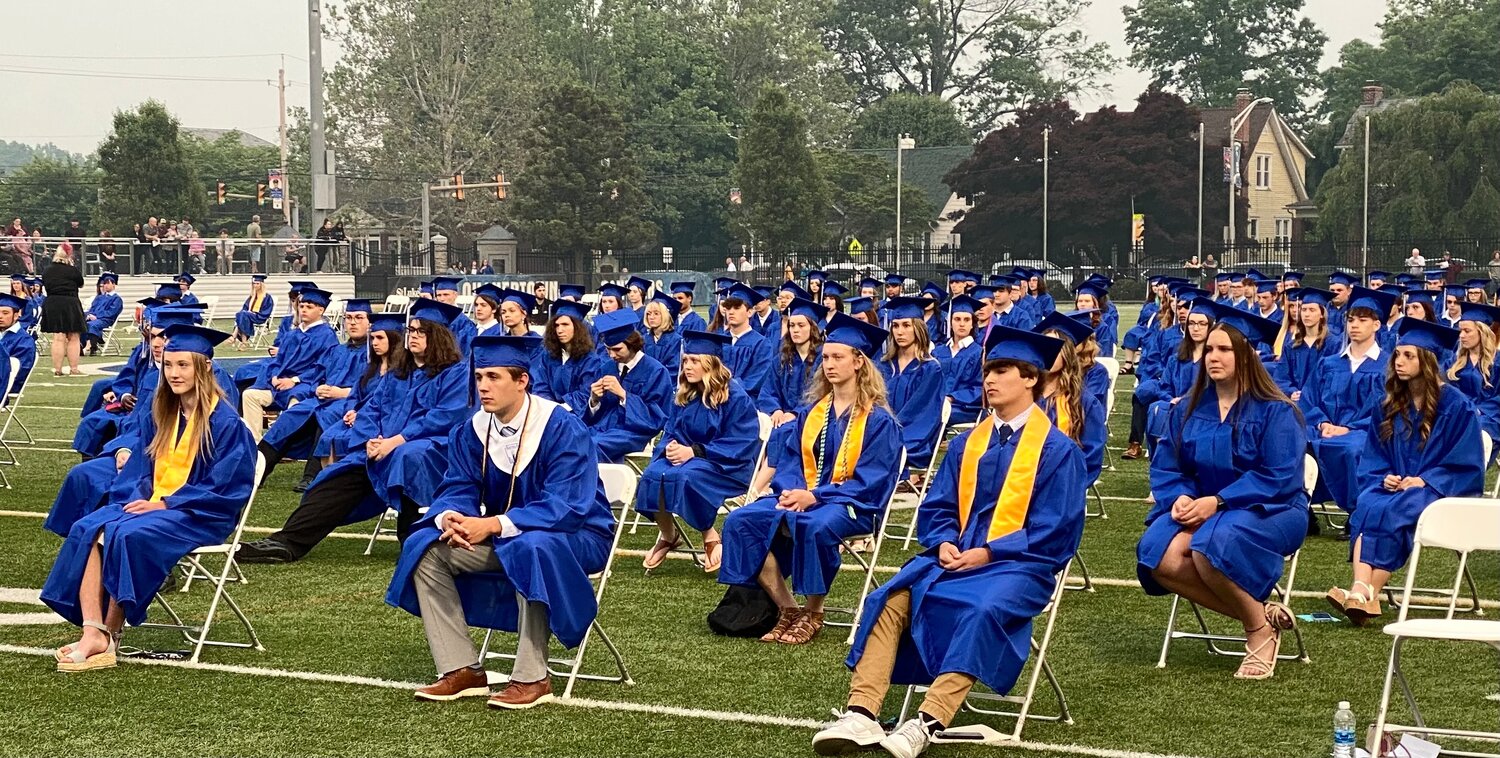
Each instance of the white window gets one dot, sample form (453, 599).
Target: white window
(1253, 230)
(1262, 172)
(1283, 230)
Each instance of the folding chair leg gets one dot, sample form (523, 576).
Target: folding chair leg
(379, 529)
(1166, 642)
(1099, 501)
(1087, 584)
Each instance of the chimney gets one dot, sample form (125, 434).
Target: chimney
(1371, 93)
(1242, 100)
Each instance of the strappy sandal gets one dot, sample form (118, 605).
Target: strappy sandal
(784, 621)
(1280, 617)
(1359, 607)
(804, 629)
(1256, 667)
(659, 551)
(74, 661)
(713, 555)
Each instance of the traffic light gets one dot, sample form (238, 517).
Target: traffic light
(499, 186)
(221, 193)
(260, 194)
(458, 186)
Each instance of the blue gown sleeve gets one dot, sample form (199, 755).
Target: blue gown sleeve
(1054, 519)
(566, 495)
(1169, 480)
(1274, 477)
(937, 516)
(460, 488)
(924, 408)
(739, 432)
(224, 488)
(1095, 437)
(1311, 401)
(450, 405)
(592, 369)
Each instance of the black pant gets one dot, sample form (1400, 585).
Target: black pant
(307, 434)
(1137, 419)
(92, 341)
(327, 506)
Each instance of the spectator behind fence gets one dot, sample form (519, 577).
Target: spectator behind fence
(151, 235)
(106, 253)
(225, 251)
(328, 237)
(140, 251)
(252, 232)
(62, 312)
(197, 250)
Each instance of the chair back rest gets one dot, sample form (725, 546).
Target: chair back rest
(1461, 524)
(212, 303)
(619, 483)
(765, 426)
(1113, 367)
(397, 303)
(888, 494)
(1487, 444)
(1309, 473)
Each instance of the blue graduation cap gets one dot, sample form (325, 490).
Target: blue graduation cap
(932, 291)
(1100, 280)
(258, 278)
(669, 303)
(1405, 278)
(18, 278)
(1084, 315)
(1293, 276)
(612, 290)
(445, 284)
(424, 288)
(503, 350)
(1204, 306)
(1222, 277)
(704, 343)
(964, 304)
(8, 300)
(165, 290)
(1315, 296)
(1381, 275)
(816, 275)
(1189, 294)
(1380, 302)
(994, 280)
(1236, 277)
(1421, 296)
(1265, 285)
(574, 291)
(725, 282)
(642, 284)
(766, 293)
(524, 300)
(873, 284)
(860, 335)
(1478, 284)
(1254, 274)
(110, 277)
(1456, 291)
(816, 313)
(489, 291)
(318, 297)
(572, 309)
(434, 311)
(358, 305)
(859, 304)
(1434, 275)
(985, 291)
(1479, 312)
(190, 338)
(185, 278)
(796, 290)
(388, 322)
(615, 326)
(1398, 290)
(960, 275)
(1155, 279)
(1253, 327)
(905, 307)
(683, 288)
(1005, 343)
(1090, 288)
(894, 280)
(834, 289)
(1343, 277)
(1005, 280)
(750, 296)
(1073, 328)
(298, 286)
(1429, 336)
(166, 314)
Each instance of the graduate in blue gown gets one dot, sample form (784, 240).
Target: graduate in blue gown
(1064, 397)
(1036, 285)
(486, 319)
(1309, 340)
(627, 407)
(706, 453)
(186, 491)
(186, 281)
(386, 350)
(17, 346)
(637, 294)
(960, 358)
(286, 329)
(935, 313)
(568, 363)
(1096, 376)
(1229, 504)
(1472, 367)
(1345, 395)
(766, 319)
(660, 335)
(914, 381)
(685, 317)
(103, 312)
(293, 374)
(1131, 343)
(1155, 394)
(749, 356)
(1094, 293)
(256, 310)
(1002, 517)
(445, 290)
(1416, 452)
(34, 300)
(511, 535)
(835, 469)
(796, 360)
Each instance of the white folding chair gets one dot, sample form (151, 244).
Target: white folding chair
(619, 488)
(1283, 592)
(396, 304)
(1463, 525)
(911, 500)
(192, 568)
(10, 403)
(388, 515)
(111, 345)
(212, 301)
(977, 702)
(877, 534)
(334, 314)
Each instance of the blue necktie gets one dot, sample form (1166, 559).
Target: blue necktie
(1003, 434)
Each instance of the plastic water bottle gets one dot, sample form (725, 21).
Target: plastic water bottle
(1343, 731)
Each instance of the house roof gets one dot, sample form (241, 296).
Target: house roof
(1216, 124)
(497, 232)
(1353, 130)
(213, 135)
(925, 167)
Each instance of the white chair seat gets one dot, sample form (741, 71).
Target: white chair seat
(1467, 630)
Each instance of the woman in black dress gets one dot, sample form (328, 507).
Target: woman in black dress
(62, 313)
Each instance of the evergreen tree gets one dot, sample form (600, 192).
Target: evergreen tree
(785, 201)
(145, 171)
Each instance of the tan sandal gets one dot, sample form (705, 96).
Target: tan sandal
(1255, 666)
(658, 553)
(1337, 598)
(1280, 617)
(1359, 607)
(804, 629)
(784, 621)
(73, 661)
(713, 555)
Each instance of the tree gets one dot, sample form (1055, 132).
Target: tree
(785, 201)
(14, 155)
(1433, 165)
(1205, 50)
(930, 120)
(862, 199)
(988, 57)
(240, 167)
(145, 171)
(581, 191)
(1100, 166)
(49, 192)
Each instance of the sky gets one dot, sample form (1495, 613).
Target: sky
(214, 63)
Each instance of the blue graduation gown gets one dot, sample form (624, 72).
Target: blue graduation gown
(1159, 346)
(1254, 461)
(810, 555)
(1451, 463)
(936, 333)
(1107, 331)
(667, 350)
(623, 427)
(560, 508)
(464, 332)
(691, 322)
(1349, 399)
(341, 366)
(1096, 382)
(246, 320)
(1176, 380)
(286, 332)
(1135, 337)
(749, 360)
(786, 383)
(303, 358)
(105, 309)
(961, 373)
(1302, 360)
(21, 346)
(729, 437)
(1486, 400)
(768, 326)
(140, 550)
(431, 406)
(101, 426)
(916, 395)
(568, 382)
(334, 439)
(978, 622)
(1095, 434)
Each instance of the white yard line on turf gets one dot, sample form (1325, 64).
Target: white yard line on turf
(577, 702)
(20, 595)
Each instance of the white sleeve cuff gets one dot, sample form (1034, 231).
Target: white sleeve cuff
(508, 528)
(441, 522)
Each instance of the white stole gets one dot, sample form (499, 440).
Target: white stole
(538, 411)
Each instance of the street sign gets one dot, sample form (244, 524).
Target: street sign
(666, 255)
(855, 248)
(273, 178)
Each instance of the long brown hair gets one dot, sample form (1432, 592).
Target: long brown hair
(395, 357)
(814, 344)
(166, 407)
(580, 346)
(1250, 377)
(1403, 396)
(869, 386)
(442, 351)
(921, 340)
(1300, 332)
(713, 390)
(1070, 385)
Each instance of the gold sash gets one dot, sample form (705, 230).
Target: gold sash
(256, 301)
(171, 471)
(1064, 419)
(1015, 494)
(849, 448)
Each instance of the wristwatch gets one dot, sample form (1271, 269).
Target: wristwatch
(1218, 502)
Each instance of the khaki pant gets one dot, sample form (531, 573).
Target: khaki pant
(872, 675)
(253, 404)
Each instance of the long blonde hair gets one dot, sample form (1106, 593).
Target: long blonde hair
(1070, 385)
(166, 407)
(1486, 350)
(922, 342)
(667, 319)
(869, 386)
(713, 390)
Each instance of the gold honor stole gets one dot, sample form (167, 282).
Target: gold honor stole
(171, 471)
(849, 447)
(256, 301)
(1060, 405)
(1015, 494)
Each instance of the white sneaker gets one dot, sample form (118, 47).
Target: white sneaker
(853, 732)
(908, 741)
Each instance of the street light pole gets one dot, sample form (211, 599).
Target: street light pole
(1365, 238)
(1046, 169)
(903, 143)
(1235, 163)
(1200, 192)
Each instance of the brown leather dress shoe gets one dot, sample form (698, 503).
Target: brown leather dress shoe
(1132, 452)
(784, 622)
(459, 683)
(518, 696)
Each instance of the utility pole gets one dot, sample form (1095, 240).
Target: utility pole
(904, 142)
(1046, 169)
(286, 205)
(1365, 234)
(1200, 193)
(322, 183)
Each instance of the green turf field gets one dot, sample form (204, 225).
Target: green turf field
(695, 694)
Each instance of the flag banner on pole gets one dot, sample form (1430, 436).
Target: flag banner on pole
(1138, 229)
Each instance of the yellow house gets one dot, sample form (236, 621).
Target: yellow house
(1273, 170)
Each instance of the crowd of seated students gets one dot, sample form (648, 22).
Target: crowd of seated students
(482, 438)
